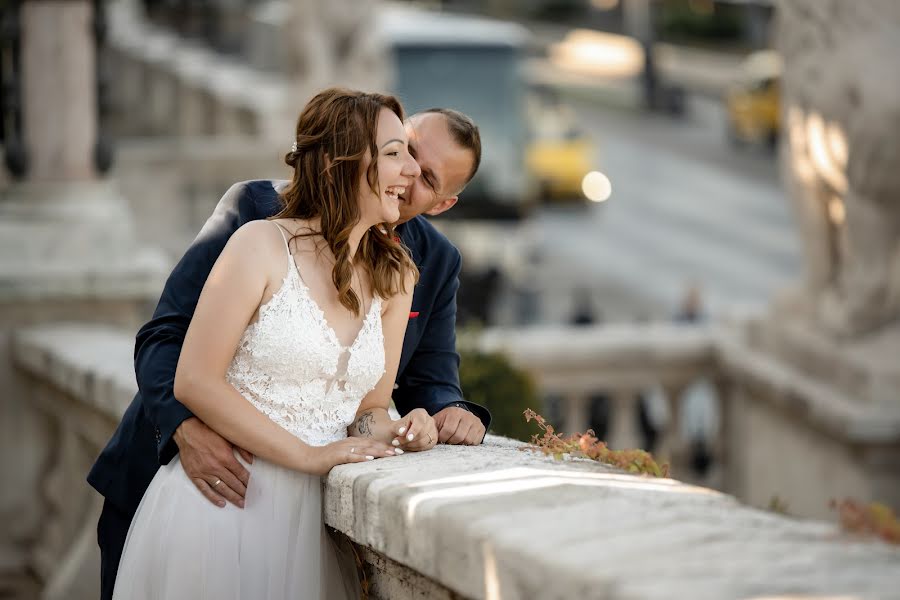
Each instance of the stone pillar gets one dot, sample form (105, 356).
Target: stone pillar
(67, 248)
(60, 102)
(638, 21)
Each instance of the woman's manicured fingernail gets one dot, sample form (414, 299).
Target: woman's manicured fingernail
(398, 451)
(368, 457)
(401, 430)
(410, 437)
(396, 442)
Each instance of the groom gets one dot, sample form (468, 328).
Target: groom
(155, 427)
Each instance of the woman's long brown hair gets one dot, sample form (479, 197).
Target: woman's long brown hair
(334, 132)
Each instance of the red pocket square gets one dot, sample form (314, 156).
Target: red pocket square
(414, 314)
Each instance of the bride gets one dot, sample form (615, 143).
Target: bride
(298, 329)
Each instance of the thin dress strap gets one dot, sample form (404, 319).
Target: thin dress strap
(281, 230)
(292, 264)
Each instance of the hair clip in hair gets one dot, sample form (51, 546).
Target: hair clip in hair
(294, 147)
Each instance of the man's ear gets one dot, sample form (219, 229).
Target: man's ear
(442, 206)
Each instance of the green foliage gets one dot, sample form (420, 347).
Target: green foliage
(680, 20)
(639, 462)
(491, 381)
(777, 504)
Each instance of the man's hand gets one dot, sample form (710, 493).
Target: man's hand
(458, 426)
(209, 461)
(416, 431)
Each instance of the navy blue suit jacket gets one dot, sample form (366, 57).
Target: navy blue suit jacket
(428, 376)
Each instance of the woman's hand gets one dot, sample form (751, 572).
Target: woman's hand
(349, 450)
(416, 431)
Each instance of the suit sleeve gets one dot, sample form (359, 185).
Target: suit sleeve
(431, 378)
(158, 344)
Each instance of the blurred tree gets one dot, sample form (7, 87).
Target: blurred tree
(698, 21)
(492, 381)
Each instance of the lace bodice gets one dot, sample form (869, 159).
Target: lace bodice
(292, 367)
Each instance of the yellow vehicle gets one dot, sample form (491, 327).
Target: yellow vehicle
(753, 102)
(559, 153)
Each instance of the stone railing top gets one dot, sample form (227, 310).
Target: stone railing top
(91, 363)
(493, 521)
(496, 522)
(653, 344)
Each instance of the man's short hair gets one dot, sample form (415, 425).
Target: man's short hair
(464, 132)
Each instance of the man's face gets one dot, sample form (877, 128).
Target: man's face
(445, 166)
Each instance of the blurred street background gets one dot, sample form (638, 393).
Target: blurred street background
(694, 204)
(670, 107)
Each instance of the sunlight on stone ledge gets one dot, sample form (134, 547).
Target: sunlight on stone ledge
(804, 597)
(523, 479)
(491, 579)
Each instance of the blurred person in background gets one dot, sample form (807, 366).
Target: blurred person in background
(446, 149)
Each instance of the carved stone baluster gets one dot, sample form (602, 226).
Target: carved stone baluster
(671, 447)
(724, 475)
(623, 431)
(66, 549)
(51, 494)
(81, 505)
(575, 417)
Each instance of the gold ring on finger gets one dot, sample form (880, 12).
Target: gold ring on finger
(218, 481)
(352, 450)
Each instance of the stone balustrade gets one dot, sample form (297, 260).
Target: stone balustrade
(621, 361)
(475, 522)
(168, 83)
(185, 88)
(782, 436)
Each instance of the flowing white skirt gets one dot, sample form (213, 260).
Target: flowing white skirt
(181, 546)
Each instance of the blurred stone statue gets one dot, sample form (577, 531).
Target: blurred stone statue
(841, 156)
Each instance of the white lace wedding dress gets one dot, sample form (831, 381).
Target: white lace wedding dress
(292, 367)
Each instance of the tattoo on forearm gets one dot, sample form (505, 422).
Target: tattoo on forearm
(364, 424)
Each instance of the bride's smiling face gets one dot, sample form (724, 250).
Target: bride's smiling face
(396, 170)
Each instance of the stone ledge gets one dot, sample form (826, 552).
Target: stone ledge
(606, 345)
(90, 363)
(573, 359)
(494, 521)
